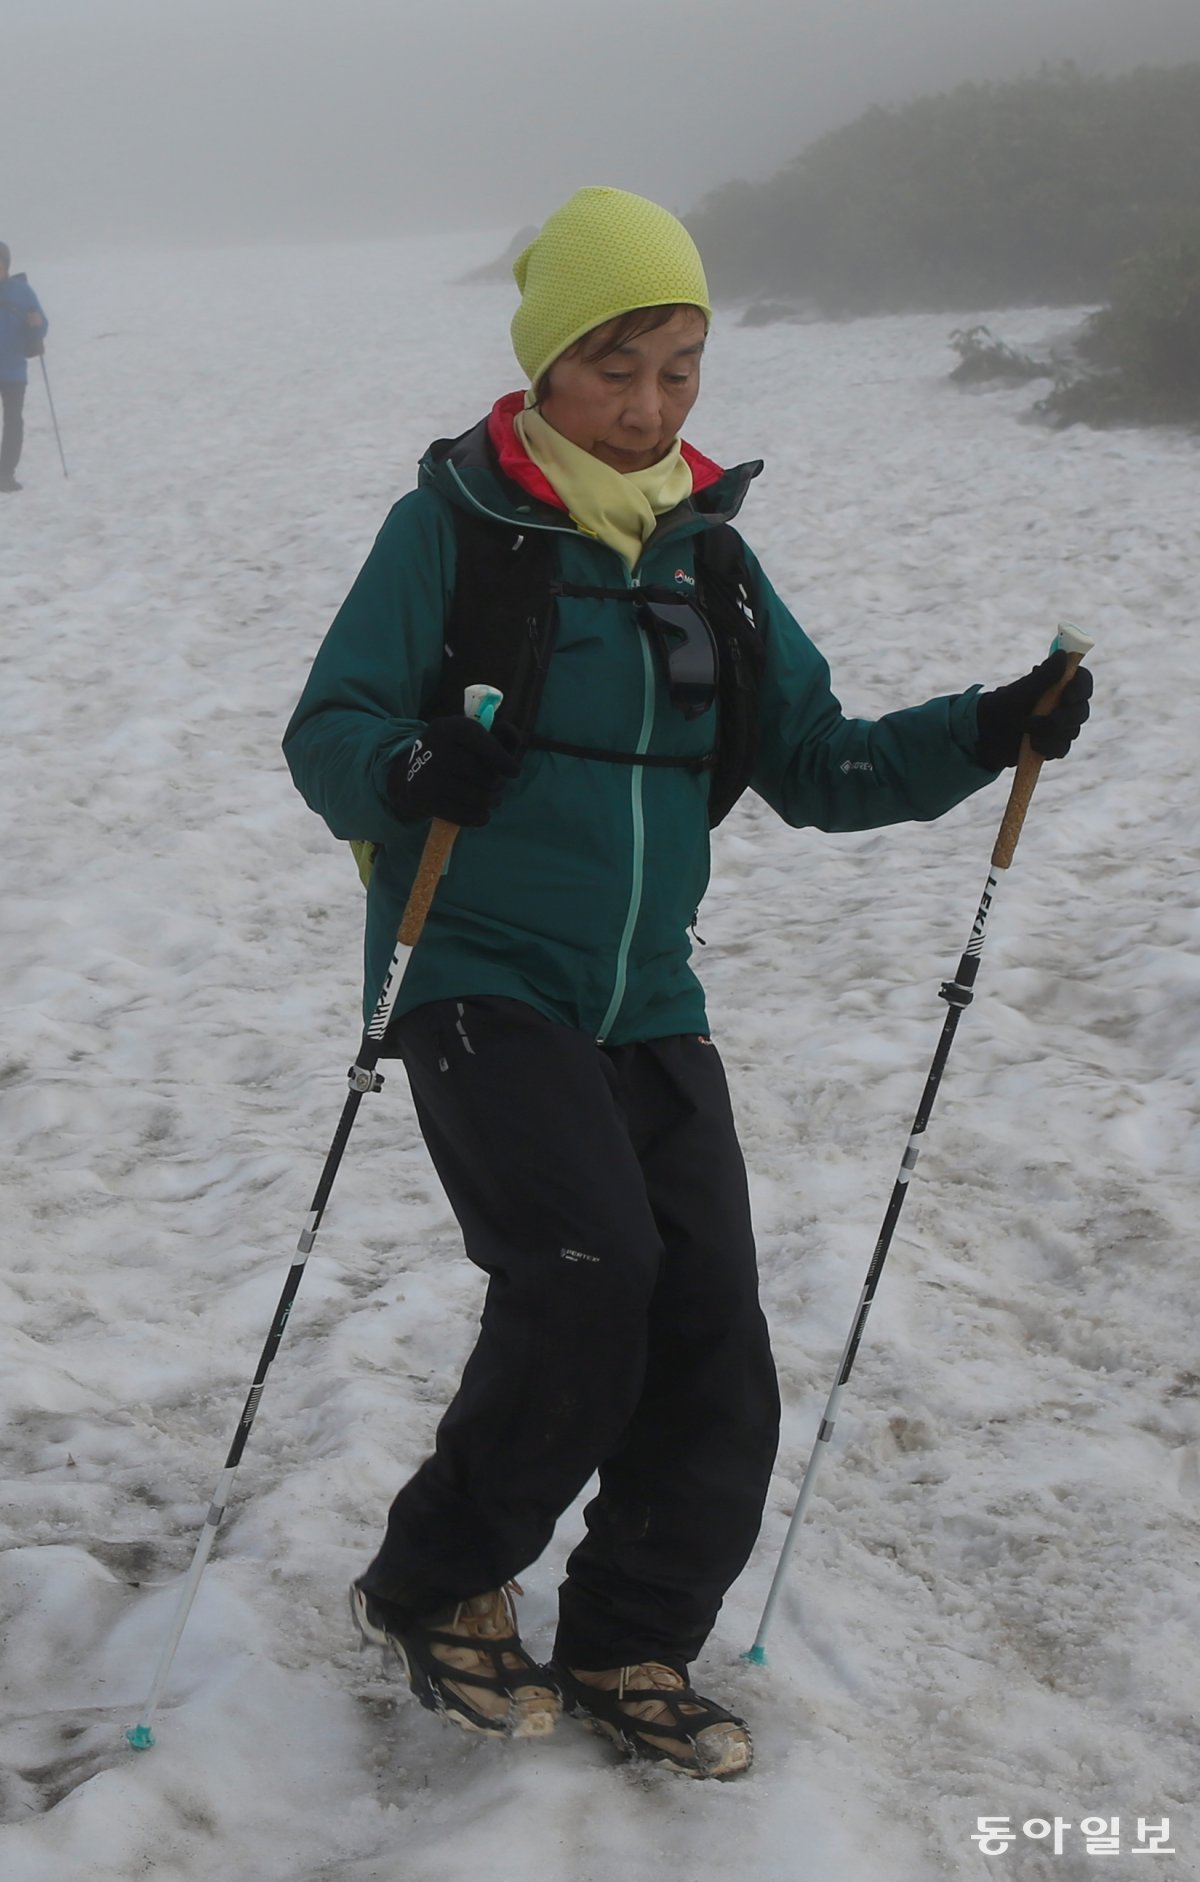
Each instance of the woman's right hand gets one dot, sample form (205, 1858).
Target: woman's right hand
(457, 770)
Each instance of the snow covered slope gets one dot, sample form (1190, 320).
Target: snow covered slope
(993, 1611)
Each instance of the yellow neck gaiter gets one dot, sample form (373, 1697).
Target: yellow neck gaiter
(619, 507)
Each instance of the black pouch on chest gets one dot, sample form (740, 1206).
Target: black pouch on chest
(685, 647)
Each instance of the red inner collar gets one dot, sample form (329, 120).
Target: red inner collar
(516, 463)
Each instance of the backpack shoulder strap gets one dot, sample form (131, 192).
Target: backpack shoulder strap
(721, 561)
(500, 626)
(729, 599)
(499, 629)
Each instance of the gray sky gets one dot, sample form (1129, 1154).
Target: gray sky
(211, 120)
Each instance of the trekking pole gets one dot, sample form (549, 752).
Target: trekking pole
(53, 417)
(480, 703)
(958, 995)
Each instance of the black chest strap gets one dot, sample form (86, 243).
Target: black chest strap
(703, 761)
(503, 622)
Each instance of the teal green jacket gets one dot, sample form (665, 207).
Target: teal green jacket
(577, 897)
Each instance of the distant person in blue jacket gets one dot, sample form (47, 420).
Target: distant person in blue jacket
(22, 330)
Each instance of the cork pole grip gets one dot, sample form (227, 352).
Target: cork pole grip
(434, 857)
(1029, 764)
(480, 701)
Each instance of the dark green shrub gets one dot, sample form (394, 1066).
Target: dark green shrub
(1150, 330)
(989, 195)
(982, 357)
(1145, 344)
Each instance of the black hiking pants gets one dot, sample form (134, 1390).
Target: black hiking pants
(603, 1192)
(12, 427)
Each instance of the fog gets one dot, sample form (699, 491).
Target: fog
(203, 121)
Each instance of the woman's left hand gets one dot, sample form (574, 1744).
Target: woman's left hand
(1007, 713)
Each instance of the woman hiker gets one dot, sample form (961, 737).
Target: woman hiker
(551, 1027)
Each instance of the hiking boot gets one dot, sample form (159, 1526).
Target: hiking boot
(651, 1712)
(466, 1661)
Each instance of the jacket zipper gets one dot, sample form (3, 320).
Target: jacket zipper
(639, 831)
(637, 880)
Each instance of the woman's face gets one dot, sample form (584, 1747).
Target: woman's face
(628, 407)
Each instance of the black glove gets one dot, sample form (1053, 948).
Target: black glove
(457, 770)
(1005, 715)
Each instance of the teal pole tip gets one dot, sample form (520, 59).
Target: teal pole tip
(756, 1655)
(140, 1737)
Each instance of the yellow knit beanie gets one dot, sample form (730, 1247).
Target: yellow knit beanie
(603, 253)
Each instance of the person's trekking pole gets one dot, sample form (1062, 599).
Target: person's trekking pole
(958, 995)
(480, 703)
(53, 417)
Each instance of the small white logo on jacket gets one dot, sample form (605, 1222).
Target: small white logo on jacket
(577, 1254)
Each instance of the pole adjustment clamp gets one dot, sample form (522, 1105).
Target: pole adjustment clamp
(955, 994)
(363, 1080)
